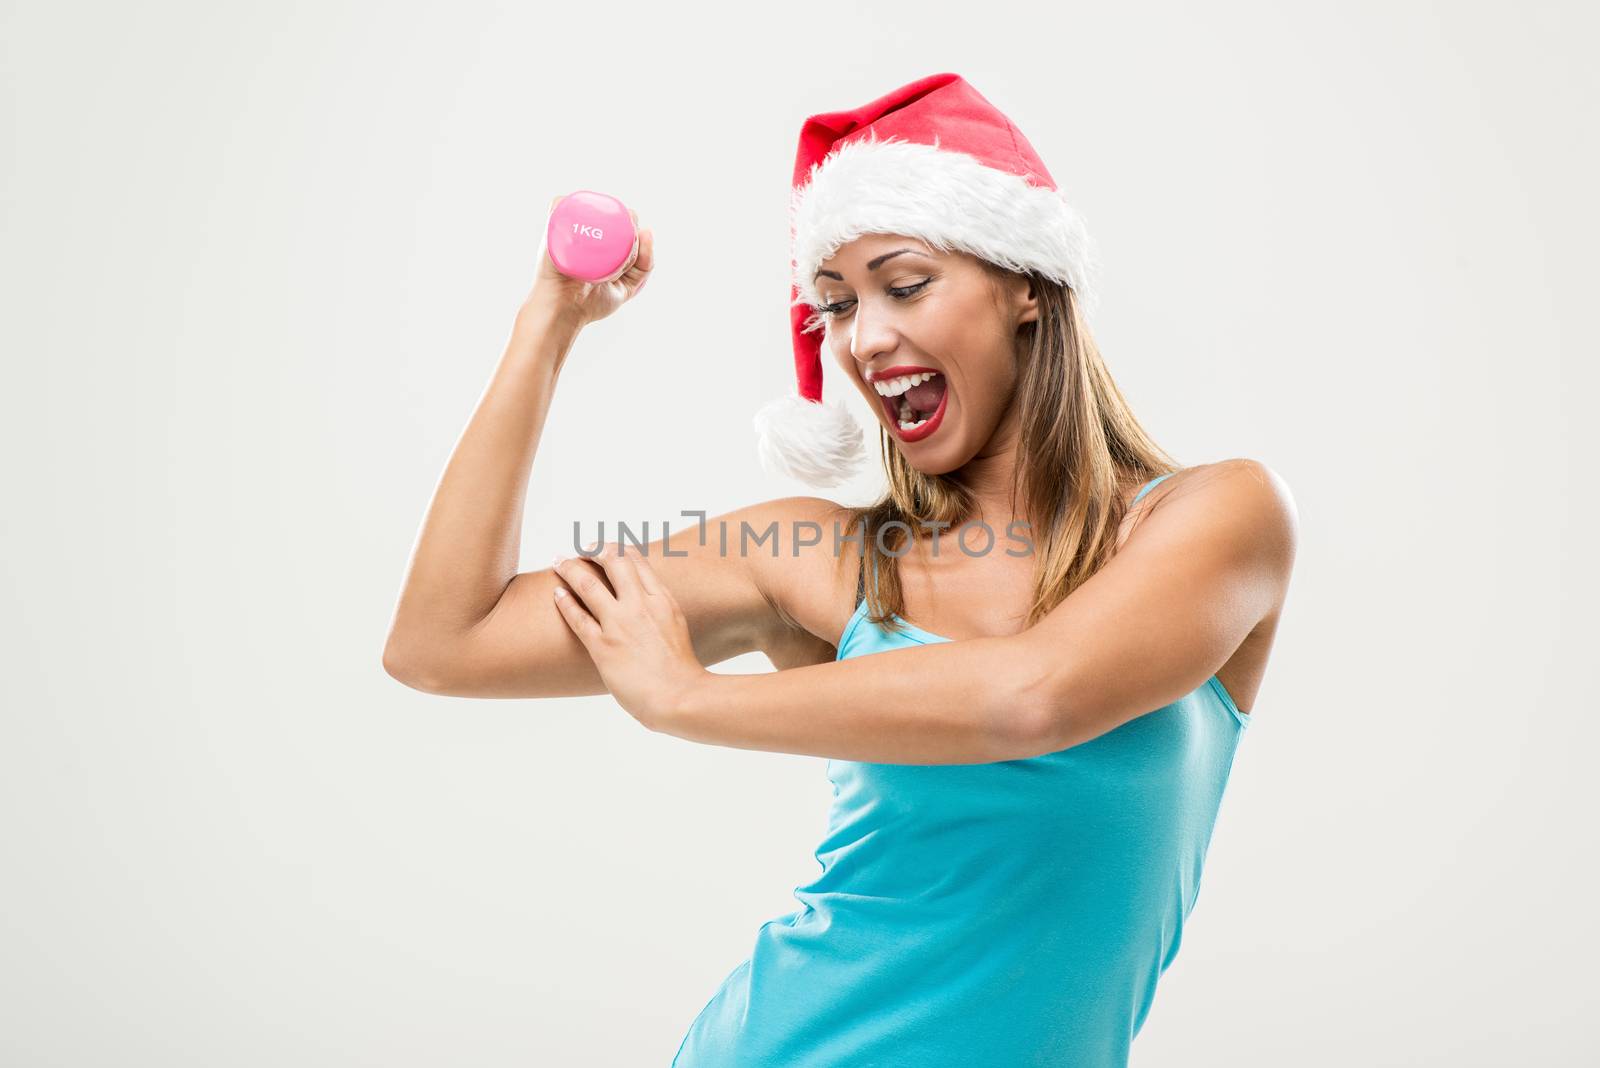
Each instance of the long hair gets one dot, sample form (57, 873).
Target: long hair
(1079, 450)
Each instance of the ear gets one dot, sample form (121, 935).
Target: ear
(1024, 301)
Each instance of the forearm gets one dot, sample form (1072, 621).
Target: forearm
(467, 550)
(945, 703)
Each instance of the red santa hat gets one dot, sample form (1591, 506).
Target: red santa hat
(932, 160)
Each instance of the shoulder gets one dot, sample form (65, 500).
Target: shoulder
(779, 515)
(785, 516)
(808, 538)
(1241, 504)
(793, 550)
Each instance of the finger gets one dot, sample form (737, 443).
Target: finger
(631, 265)
(649, 582)
(585, 582)
(645, 261)
(633, 561)
(578, 618)
(620, 571)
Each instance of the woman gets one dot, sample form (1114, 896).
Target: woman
(1026, 778)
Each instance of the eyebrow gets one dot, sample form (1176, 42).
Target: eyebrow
(872, 264)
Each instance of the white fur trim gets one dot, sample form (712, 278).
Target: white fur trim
(818, 443)
(944, 197)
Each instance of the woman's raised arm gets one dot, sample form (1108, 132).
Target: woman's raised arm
(466, 553)
(466, 622)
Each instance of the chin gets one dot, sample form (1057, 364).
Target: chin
(932, 457)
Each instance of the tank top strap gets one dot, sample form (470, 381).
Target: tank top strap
(1148, 486)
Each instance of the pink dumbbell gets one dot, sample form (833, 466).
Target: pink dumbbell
(590, 236)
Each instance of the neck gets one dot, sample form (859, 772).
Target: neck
(990, 476)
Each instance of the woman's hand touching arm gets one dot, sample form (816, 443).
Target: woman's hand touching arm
(938, 704)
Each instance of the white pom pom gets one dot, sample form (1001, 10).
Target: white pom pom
(818, 443)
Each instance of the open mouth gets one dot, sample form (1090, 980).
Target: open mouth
(918, 411)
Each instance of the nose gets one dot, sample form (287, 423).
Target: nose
(869, 337)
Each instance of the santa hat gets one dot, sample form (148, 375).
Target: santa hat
(932, 160)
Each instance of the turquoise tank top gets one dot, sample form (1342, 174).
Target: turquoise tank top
(1015, 913)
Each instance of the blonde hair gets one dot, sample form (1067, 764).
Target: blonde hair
(1079, 450)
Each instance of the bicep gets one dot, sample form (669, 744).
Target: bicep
(524, 647)
(1168, 610)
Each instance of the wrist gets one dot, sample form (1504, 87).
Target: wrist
(546, 329)
(681, 705)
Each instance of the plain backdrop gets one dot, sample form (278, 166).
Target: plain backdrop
(259, 261)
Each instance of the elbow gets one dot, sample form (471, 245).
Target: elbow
(1036, 728)
(1040, 710)
(411, 670)
(1031, 709)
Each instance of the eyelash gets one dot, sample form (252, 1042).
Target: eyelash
(828, 311)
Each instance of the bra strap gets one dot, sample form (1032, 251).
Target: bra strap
(1148, 486)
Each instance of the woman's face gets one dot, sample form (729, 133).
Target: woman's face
(924, 336)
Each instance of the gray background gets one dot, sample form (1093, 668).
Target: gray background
(259, 261)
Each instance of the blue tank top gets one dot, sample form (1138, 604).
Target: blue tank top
(1015, 913)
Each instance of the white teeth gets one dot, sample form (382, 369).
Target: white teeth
(905, 417)
(893, 387)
